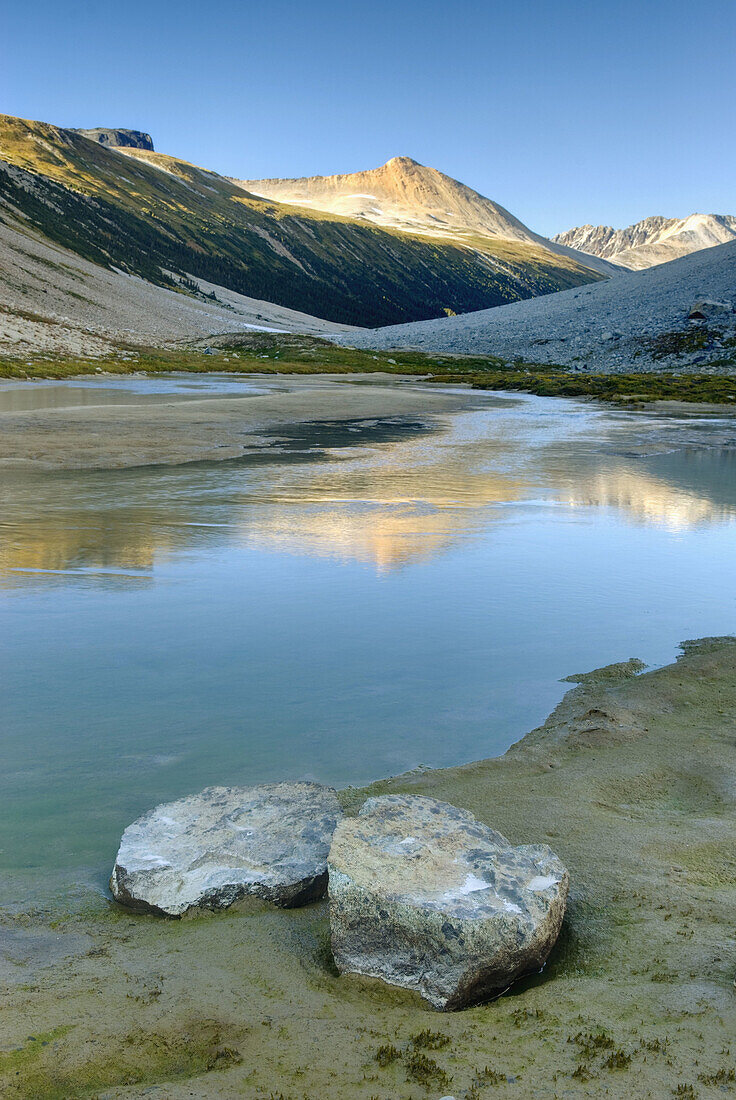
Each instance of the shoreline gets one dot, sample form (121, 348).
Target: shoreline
(209, 428)
(636, 383)
(174, 429)
(631, 779)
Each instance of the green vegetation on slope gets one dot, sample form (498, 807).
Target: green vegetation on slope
(151, 215)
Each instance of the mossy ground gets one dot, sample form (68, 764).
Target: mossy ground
(636, 1001)
(718, 345)
(277, 354)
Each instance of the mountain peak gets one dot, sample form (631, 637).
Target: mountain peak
(401, 194)
(413, 198)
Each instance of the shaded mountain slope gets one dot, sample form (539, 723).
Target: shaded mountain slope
(608, 326)
(54, 302)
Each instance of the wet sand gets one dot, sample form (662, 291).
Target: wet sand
(632, 780)
(218, 427)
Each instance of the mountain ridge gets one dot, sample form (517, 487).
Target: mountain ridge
(168, 221)
(415, 198)
(652, 240)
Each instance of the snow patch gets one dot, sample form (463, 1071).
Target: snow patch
(542, 882)
(471, 886)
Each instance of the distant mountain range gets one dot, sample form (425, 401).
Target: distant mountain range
(108, 197)
(651, 241)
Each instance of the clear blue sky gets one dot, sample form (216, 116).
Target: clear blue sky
(565, 112)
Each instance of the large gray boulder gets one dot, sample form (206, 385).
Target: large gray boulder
(214, 848)
(425, 897)
(706, 310)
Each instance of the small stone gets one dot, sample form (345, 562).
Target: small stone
(425, 897)
(211, 849)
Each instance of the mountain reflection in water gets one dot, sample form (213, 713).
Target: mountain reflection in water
(387, 503)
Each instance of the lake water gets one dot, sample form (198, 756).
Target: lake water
(362, 600)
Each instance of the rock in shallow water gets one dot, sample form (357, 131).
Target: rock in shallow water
(213, 848)
(425, 897)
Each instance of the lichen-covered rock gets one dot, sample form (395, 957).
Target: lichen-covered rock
(425, 897)
(214, 848)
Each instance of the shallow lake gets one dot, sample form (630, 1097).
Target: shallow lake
(361, 599)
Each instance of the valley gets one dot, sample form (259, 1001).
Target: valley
(289, 496)
(190, 230)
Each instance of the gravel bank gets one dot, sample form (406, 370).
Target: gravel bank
(207, 429)
(597, 327)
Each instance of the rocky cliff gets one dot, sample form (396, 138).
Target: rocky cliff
(118, 139)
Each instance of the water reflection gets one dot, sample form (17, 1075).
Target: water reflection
(648, 499)
(342, 606)
(407, 494)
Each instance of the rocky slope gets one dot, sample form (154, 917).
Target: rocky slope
(414, 198)
(608, 326)
(167, 221)
(651, 241)
(54, 302)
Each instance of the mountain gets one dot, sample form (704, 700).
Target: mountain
(651, 241)
(413, 198)
(614, 325)
(173, 224)
(53, 301)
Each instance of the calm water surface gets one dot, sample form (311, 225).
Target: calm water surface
(359, 600)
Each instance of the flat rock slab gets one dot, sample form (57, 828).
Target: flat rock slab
(211, 849)
(425, 897)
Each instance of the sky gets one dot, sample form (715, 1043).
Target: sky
(564, 112)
